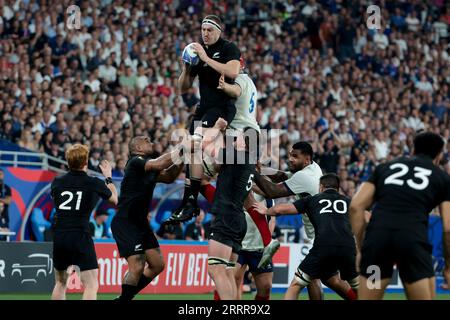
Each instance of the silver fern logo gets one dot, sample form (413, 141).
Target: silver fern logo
(73, 17)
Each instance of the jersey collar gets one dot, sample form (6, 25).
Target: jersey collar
(214, 45)
(77, 173)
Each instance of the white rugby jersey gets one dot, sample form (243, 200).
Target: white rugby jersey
(306, 181)
(246, 104)
(252, 240)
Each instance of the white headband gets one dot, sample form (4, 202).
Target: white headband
(212, 23)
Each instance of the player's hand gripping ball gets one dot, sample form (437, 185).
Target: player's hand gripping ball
(190, 56)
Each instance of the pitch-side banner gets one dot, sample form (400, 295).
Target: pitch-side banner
(28, 267)
(186, 268)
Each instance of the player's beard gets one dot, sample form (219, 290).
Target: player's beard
(294, 168)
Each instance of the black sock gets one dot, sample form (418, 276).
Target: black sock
(128, 292)
(187, 193)
(143, 282)
(195, 187)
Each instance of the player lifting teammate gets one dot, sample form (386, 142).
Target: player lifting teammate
(218, 57)
(404, 192)
(130, 227)
(229, 226)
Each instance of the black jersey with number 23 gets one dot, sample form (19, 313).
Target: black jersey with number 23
(407, 189)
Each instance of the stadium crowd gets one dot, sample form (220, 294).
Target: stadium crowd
(358, 95)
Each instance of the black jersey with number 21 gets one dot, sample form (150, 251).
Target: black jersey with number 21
(75, 195)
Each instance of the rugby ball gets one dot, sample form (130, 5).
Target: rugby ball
(189, 56)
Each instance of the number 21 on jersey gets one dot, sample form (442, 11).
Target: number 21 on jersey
(66, 204)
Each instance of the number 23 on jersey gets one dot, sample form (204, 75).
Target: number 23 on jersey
(420, 174)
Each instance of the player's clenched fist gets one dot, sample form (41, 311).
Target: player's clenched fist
(200, 51)
(221, 85)
(221, 124)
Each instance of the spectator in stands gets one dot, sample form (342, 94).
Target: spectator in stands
(195, 230)
(329, 152)
(5, 200)
(170, 232)
(94, 159)
(97, 226)
(117, 78)
(361, 170)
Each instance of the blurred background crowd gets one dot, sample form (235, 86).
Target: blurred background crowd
(357, 95)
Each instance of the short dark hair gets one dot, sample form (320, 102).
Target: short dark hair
(304, 148)
(330, 180)
(429, 144)
(133, 144)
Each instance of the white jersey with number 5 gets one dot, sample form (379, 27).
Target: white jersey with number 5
(245, 104)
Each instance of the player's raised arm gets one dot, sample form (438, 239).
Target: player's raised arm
(445, 214)
(362, 200)
(106, 169)
(166, 160)
(170, 174)
(270, 189)
(278, 176)
(233, 90)
(229, 69)
(186, 79)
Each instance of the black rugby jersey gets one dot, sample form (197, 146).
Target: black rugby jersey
(210, 97)
(328, 213)
(136, 190)
(75, 195)
(234, 182)
(407, 190)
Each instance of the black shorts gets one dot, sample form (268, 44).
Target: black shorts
(74, 248)
(206, 118)
(132, 238)
(252, 259)
(326, 261)
(229, 228)
(386, 247)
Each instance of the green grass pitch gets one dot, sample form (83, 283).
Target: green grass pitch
(274, 296)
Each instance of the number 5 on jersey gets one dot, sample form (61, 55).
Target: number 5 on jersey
(252, 103)
(250, 182)
(65, 204)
